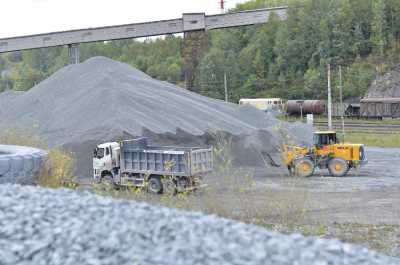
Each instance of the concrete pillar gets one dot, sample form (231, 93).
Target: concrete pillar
(73, 53)
(195, 45)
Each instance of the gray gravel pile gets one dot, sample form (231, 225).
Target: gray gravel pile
(7, 98)
(102, 100)
(40, 226)
(386, 86)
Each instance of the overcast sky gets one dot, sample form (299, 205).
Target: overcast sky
(23, 17)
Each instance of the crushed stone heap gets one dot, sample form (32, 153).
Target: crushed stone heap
(63, 227)
(103, 100)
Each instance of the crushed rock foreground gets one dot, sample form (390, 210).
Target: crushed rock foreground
(41, 226)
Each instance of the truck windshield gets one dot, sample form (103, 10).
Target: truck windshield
(98, 153)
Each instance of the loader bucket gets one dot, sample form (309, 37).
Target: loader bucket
(274, 160)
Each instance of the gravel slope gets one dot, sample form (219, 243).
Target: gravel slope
(40, 226)
(103, 97)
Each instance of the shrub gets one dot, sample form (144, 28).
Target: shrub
(58, 170)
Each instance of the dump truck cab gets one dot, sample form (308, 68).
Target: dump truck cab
(326, 153)
(105, 159)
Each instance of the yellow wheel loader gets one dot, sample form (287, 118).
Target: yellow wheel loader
(326, 153)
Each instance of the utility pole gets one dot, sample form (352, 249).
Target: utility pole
(301, 102)
(226, 87)
(329, 98)
(73, 53)
(301, 112)
(341, 100)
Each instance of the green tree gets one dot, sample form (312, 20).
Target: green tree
(379, 26)
(313, 83)
(279, 58)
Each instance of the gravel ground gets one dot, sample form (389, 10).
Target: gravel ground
(40, 226)
(370, 177)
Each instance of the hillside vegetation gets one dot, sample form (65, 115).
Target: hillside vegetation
(284, 59)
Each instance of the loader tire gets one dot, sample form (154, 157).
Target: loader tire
(304, 168)
(362, 153)
(338, 167)
(19, 164)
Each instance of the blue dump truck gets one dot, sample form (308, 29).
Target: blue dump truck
(159, 169)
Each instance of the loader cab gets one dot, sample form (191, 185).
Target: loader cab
(325, 138)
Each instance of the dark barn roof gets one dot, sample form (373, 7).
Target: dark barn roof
(380, 100)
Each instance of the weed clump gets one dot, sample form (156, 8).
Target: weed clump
(58, 170)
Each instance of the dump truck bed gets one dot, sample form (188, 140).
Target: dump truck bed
(139, 157)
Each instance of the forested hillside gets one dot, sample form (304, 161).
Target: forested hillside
(284, 59)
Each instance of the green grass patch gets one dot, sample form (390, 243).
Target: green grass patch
(381, 237)
(372, 139)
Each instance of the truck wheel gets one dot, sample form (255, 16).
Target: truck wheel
(107, 183)
(154, 185)
(304, 168)
(338, 167)
(169, 186)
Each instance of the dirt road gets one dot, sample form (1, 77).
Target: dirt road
(382, 172)
(362, 208)
(370, 196)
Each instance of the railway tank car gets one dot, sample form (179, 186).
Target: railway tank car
(298, 107)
